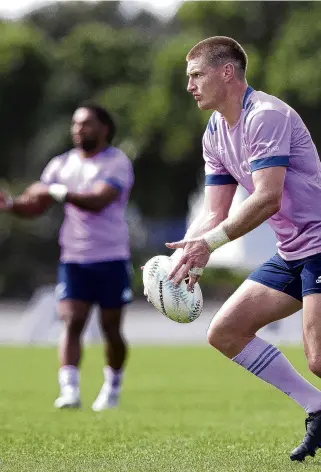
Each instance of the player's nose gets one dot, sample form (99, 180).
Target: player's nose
(190, 86)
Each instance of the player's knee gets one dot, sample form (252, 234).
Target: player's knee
(74, 324)
(315, 365)
(220, 338)
(113, 334)
(110, 323)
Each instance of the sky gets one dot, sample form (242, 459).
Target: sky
(163, 8)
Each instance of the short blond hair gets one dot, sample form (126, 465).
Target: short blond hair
(218, 50)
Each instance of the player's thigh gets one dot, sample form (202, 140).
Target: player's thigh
(312, 328)
(311, 289)
(74, 293)
(250, 308)
(113, 287)
(113, 292)
(272, 292)
(75, 313)
(111, 320)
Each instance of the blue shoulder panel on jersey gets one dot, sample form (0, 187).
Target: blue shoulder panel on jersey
(114, 183)
(273, 161)
(219, 179)
(249, 107)
(212, 123)
(248, 92)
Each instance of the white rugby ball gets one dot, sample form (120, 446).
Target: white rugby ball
(176, 303)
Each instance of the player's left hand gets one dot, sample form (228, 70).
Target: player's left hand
(196, 255)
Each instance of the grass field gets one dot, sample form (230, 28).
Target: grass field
(184, 409)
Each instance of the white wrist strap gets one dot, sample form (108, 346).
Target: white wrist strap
(215, 238)
(58, 192)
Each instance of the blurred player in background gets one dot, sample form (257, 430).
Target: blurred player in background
(259, 141)
(93, 182)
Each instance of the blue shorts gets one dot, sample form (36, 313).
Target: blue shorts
(106, 284)
(296, 278)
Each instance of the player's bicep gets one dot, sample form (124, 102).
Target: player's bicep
(107, 191)
(269, 183)
(220, 185)
(218, 199)
(270, 143)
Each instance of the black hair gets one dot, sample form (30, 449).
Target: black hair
(103, 116)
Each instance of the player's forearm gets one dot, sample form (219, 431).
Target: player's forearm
(215, 209)
(25, 207)
(251, 214)
(204, 222)
(200, 225)
(88, 202)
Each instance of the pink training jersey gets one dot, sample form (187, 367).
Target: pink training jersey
(270, 133)
(86, 236)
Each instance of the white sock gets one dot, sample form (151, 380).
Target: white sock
(113, 378)
(68, 375)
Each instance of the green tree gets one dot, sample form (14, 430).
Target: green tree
(97, 63)
(57, 20)
(25, 67)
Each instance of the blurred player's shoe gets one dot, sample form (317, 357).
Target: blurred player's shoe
(312, 438)
(69, 397)
(108, 398)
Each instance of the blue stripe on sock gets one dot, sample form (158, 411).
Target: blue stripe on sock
(263, 360)
(268, 362)
(253, 365)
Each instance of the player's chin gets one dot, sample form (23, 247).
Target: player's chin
(204, 106)
(77, 142)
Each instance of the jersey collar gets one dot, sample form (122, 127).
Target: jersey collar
(248, 92)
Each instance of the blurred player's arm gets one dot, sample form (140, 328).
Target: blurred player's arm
(33, 202)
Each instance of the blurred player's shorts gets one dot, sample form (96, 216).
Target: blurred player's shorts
(107, 284)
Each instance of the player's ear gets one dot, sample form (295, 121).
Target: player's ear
(228, 72)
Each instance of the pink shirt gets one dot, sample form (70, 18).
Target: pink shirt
(86, 236)
(270, 133)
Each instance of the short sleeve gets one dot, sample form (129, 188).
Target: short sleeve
(50, 173)
(120, 175)
(269, 136)
(215, 172)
